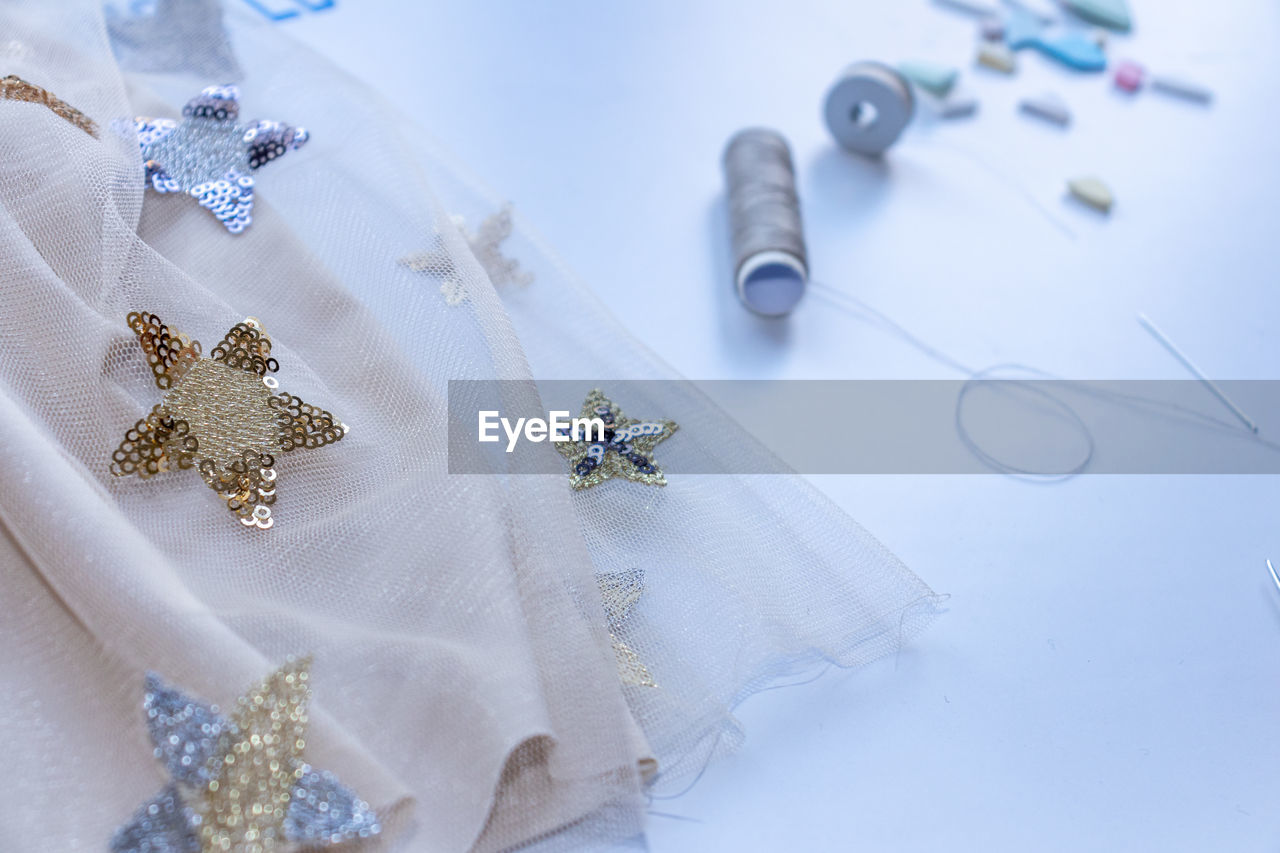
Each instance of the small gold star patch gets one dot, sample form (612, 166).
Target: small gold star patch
(620, 591)
(221, 415)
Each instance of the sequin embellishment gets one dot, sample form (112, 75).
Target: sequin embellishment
(624, 450)
(239, 784)
(13, 88)
(221, 415)
(620, 591)
(210, 157)
(485, 244)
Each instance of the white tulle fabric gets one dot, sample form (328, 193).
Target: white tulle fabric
(464, 680)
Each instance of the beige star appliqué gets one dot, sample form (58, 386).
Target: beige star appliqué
(486, 245)
(620, 591)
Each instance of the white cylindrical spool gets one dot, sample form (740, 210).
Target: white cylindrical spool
(771, 282)
(868, 107)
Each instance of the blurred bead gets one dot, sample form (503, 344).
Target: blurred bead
(1180, 88)
(1092, 192)
(998, 58)
(1129, 76)
(1048, 107)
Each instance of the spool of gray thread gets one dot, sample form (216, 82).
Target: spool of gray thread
(769, 259)
(868, 107)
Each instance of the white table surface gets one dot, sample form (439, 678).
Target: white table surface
(1106, 676)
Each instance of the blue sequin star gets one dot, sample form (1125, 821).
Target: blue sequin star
(623, 448)
(210, 157)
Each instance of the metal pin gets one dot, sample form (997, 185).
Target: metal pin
(1274, 576)
(1197, 372)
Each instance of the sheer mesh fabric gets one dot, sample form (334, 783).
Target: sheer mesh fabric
(464, 678)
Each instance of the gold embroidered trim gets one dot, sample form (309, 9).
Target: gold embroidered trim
(13, 88)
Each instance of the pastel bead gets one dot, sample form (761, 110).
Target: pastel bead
(1048, 107)
(1045, 10)
(979, 8)
(998, 58)
(1092, 192)
(1129, 76)
(1181, 88)
(933, 78)
(957, 106)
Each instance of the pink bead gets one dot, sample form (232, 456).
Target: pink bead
(1129, 76)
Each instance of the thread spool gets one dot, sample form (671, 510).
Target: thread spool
(868, 107)
(769, 259)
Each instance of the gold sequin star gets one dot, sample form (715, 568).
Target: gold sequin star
(620, 591)
(243, 809)
(14, 88)
(623, 449)
(221, 415)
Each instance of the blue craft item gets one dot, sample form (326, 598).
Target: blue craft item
(1070, 47)
(284, 14)
(1108, 13)
(272, 15)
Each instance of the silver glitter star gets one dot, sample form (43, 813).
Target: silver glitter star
(193, 742)
(210, 157)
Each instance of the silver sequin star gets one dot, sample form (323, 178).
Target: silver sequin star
(210, 157)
